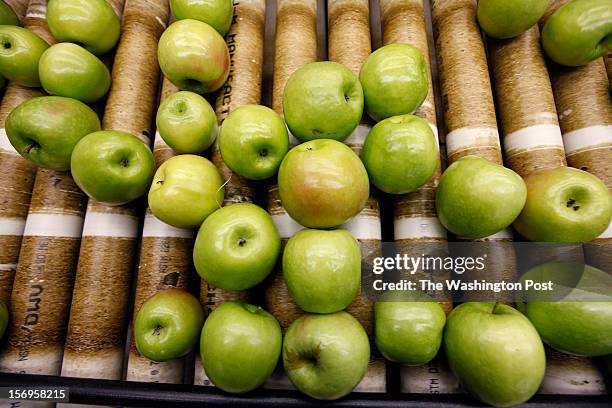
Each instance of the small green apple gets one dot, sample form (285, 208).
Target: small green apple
(7, 15)
(564, 205)
(46, 129)
(185, 190)
(253, 141)
(322, 269)
(112, 167)
(240, 346)
(91, 23)
(400, 154)
(168, 325)
(326, 356)
(477, 198)
(66, 69)
(4, 318)
(495, 352)
(20, 51)
(187, 122)
(394, 80)
(322, 183)
(322, 100)
(217, 13)
(578, 32)
(236, 247)
(193, 56)
(509, 18)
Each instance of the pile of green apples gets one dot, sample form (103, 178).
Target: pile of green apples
(495, 350)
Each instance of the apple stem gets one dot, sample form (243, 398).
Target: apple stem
(494, 307)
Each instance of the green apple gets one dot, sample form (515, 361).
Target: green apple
(253, 141)
(46, 129)
(236, 247)
(187, 122)
(509, 18)
(322, 100)
(240, 346)
(90, 23)
(168, 325)
(4, 318)
(216, 13)
(400, 154)
(20, 51)
(322, 269)
(7, 15)
(322, 183)
(326, 356)
(495, 352)
(185, 190)
(477, 198)
(578, 32)
(564, 205)
(394, 80)
(112, 167)
(193, 56)
(66, 69)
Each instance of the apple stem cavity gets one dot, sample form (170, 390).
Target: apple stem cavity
(263, 152)
(570, 203)
(31, 147)
(241, 242)
(124, 162)
(157, 330)
(7, 45)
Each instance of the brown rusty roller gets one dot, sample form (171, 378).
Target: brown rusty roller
(19, 7)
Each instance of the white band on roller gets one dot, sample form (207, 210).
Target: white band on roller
(5, 144)
(587, 138)
(359, 135)
(153, 227)
(363, 227)
(286, 226)
(469, 138)
(8, 267)
(418, 227)
(534, 137)
(12, 226)
(159, 143)
(98, 224)
(53, 225)
(607, 233)
(37, 9)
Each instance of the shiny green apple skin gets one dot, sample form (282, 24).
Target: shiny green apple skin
(394, 80)
(20, 51)
(4, 318)
(578, 32)
(91, 23)
(187, 122)
(322, 183)
(216, 13)
(240, 346)
(112, 167)
(408, 332)
(7, 15)
(237, 247)
(326, 356)
(477, 198)
(322, 269)
(185, 190)
(193, 56)
(495, 352)
(253, 141)
(168, 325)
(323, 100)
(45, 130)
(564, 205)
(68, 70)
(509, 18)
(400, 154)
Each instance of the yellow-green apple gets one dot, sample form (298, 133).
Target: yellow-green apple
(240, 346)
(20, 51)
(564, 205)
(578, 32)
(477, 198)
(112, 167)
(66, 69)
(322, 183)
(187, 122)
(185, 190)
(322, 269)
(7, 15)
(45, 130)
(193, 56)
(495, 352)
(217, 13)
(509, 18)
(90, 23)
(326, 355)
(4, 318)
(236, 247)
(168, 325)
(322, 100)
(253, 141)
(394, 80)
(400, 154)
